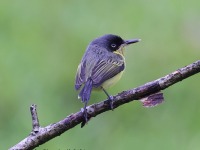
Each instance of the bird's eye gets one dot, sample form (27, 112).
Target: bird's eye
(113, 45)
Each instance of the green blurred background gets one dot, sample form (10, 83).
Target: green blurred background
(42, 42)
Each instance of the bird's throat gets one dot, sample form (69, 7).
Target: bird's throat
(120, 51)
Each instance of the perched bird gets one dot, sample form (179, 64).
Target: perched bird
(101, 66)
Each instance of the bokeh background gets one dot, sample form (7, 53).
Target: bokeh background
(42, 42)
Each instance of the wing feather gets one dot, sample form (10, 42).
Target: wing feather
(101, 67)
(105, 70)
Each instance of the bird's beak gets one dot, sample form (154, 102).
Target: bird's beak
(127, 42)
(131, 41)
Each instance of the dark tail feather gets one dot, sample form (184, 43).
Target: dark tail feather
(85, 96)
(86, 91)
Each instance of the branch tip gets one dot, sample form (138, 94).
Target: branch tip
(35, 120)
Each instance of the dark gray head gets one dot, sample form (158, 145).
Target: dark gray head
(112, 42)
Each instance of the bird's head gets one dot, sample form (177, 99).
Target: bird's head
(113, 43)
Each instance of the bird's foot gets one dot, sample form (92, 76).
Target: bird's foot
(111, 98)
(85, 117)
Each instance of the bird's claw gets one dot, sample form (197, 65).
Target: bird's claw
(111, 98)
(85, 116)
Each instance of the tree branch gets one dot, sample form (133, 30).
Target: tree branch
(40, 135)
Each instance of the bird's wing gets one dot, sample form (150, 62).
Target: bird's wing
(80, 76)
(84, 70)
(100, 67)
(106, 69)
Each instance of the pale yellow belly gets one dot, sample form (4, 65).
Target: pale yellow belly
(108, 83)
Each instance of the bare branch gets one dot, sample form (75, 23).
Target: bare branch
(44, 134)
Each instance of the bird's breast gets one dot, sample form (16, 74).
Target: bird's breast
(110, 82)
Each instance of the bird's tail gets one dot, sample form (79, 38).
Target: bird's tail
(85, 96)
(86, 91)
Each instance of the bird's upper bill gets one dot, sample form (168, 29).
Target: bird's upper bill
(126, 43)
(131, 41)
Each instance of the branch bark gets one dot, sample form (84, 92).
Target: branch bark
(40, 135)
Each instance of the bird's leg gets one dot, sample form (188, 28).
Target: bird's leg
(110, 98)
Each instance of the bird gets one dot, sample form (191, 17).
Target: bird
(101, 66)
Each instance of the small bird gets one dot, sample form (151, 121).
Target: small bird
(101, 66)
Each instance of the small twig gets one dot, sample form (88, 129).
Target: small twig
(53, 130)
(35, 120)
